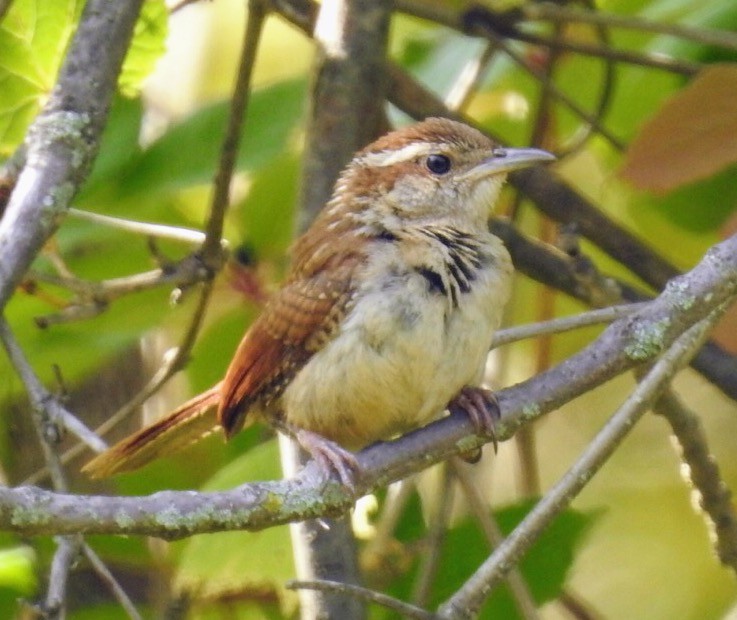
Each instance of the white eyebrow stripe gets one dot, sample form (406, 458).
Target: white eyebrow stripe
(406, 153)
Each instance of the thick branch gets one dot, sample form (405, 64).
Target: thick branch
(627, 342)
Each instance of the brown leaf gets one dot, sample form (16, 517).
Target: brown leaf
(692, 137)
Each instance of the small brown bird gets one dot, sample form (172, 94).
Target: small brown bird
(386, 317)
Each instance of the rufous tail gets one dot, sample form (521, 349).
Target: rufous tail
(180, 428)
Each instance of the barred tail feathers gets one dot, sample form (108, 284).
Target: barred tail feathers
(175, 431)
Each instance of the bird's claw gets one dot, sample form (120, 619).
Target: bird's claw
(482, 408)
(330, 457)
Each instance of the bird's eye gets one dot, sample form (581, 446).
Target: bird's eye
(438, 164)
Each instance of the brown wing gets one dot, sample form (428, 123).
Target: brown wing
(296, 323)
(178, 429)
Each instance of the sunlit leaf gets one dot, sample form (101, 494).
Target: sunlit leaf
(17, 570)
(148, 45)
(33, 37)
(188, 153)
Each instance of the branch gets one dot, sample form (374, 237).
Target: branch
(91, 298)
(479, 20)
(516, 583)
(702, 470)
(64, 139)
(103, 572)
(563, 324)
(627, 342)
(370, 596)
(65, 556)
(561, 14)
(48, 409)
(212, 248)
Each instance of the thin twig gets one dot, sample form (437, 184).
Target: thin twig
(515, 579)
(364, 594)
(466, 602)
(92, 298)
(651, 61)
(49, 411)
(162, 231)
(433, 543)
(564, 324)
(549, 11)
(480, 21)
(103, 572)
(593, 120)
(211, 251)
(174, 360)
(66, 554)
(45, 414)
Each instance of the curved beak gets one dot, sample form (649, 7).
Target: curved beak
(506, 159)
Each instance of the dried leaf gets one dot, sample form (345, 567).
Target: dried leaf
(692, 136)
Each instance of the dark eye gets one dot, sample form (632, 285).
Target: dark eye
(438, 164)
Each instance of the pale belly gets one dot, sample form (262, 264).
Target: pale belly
(400, 357)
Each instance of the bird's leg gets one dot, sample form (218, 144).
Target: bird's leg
(330, 457)
(481, 406)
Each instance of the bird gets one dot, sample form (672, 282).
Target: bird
(386, 316)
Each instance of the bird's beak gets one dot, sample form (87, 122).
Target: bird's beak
(505, 160)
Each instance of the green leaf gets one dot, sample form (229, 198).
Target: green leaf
(188, 153)
(544, 567)
(242, 565)
(33, 37)
(698, 207)
(148, 45)
(17, 570)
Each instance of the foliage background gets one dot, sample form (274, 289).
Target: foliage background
(633, 546)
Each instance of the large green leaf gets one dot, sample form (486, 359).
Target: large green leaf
(188, 153)
(544, 567)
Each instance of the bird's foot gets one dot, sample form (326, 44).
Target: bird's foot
(329, 456)
(482, 407)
